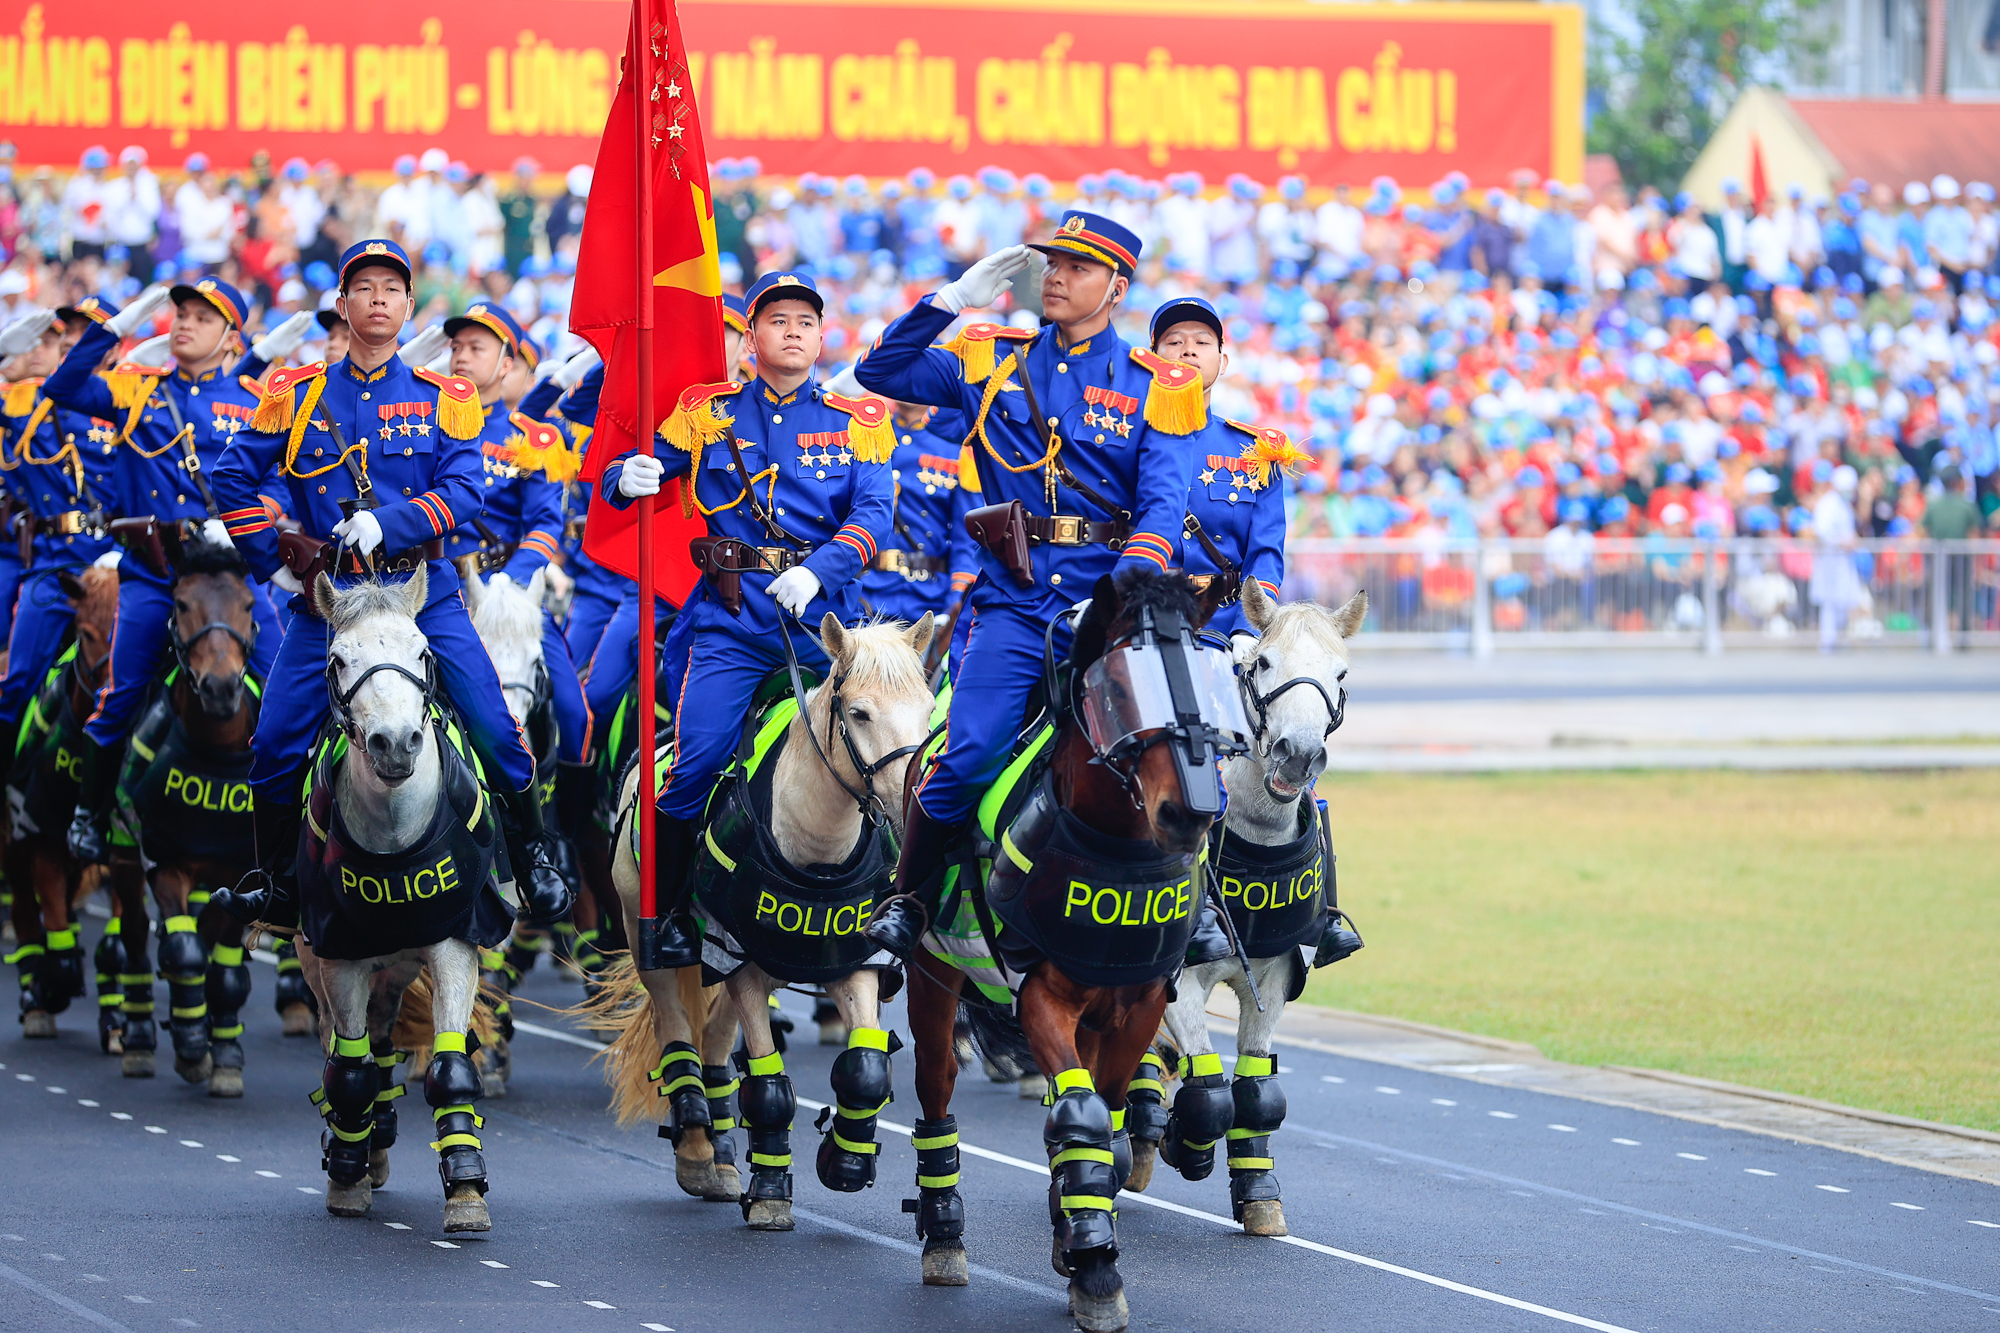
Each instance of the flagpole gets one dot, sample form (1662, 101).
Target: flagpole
(646, 947)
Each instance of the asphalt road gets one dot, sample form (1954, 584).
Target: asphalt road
(1416, 1201)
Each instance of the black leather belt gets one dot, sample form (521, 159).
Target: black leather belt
(67, 524)
(390, 562)
(907, 563)
(1070, 530)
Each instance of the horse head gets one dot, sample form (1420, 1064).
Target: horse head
(1292, 681)
(379, 670)
(1147, 771)
(214, 625)
(508, 617)
(879, 685)
(94, 594)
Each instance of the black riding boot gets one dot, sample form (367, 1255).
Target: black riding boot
(576, 807)
(270, 893)
(543, 895)
(90, 826)
(670, 940)
(905, 913)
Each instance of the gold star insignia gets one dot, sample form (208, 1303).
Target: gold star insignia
(1123, 428)
(407, 428)
(1207, 475)
(673, 88)
(423, 428)
(846, 457)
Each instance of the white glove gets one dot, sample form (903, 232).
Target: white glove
(287, 580)
(795, 588)
(983, 282)
(640, 476)
(110, 559)
(441, 363)
(155, 353)
(423, 349)
(127, 321)
(282, 341)
(22, 335)
(215, 531)
(570, 373)
(843, 381)
(363, 532)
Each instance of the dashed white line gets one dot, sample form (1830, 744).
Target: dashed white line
(10, 1235)
(1994, 1226)
(657, 1328)
(138, 1300)
(189, 1143)
(85, 1101)
(397, 1226)
(1691, 1156)
(1393, 1092)
(1911, 1207)
(600, 1305)
(1324, 1078)
(94, 1277)
(25, 1078)
(1563, 1129)
(1833, 1189)
(538, 1282)
(492, 1263)
(120, 1115)
(156, 1129)
(445, 1244)
(1753, 1171)
(225, 1157)
(1745, 1248)
(1443, 1101)
(50, 1088)
(1630, 1143)
(1503, 1115)
(187, 1323)
(269, 1175)
(305, 1189)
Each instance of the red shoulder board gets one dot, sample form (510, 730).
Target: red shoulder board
(291, 377)
(980, 333)
(250, 384)
(866, 411)
(453, 386)
(1167, 374)
(696, 396)
(540, 434)
(1268, 436)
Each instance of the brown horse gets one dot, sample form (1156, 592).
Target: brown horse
(187, 781)
(1121, 817)
(44, 786)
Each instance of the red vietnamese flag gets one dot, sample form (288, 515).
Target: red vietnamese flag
(686, 289)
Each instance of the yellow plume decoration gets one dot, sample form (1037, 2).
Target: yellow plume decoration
(556, 459)
(1280, 452)
(274, 410)
(976, 354)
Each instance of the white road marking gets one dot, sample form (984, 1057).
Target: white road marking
(1522, 1193)
(1753, 1171)
(1817, 1268)
(94, 1277)
(1393, 1092)
(1563, 1129)
(445, 1244)
(537, 1281)
(1745, 1248)
(25, 1078)
(1593, 1212)
(1912, 1207)
(187, 1323)
(1630, 1143)
(1691, 1156)
(1976, 1222)
(225, 1157)
(85, 1101)
(268, 1175)
(156, 1129)
(1443, 1101)
(397, 1226)
(305, 1189)
(11, 1236)
(138, 1300)
(1324, 1078)
(1503, 1115)
(54, 1089)
(53, 1258)
(600, 1305)
(657, 1328)
(1833, 1189)
(189, 1143)
(120, 1115)
(492, 1263)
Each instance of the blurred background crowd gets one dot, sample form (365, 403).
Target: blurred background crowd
(1523, 358)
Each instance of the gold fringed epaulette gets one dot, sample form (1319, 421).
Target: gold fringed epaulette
(131, 385)
(695, 423)
(968, 469)
(540, 447)
(459, 414)
(274, 409)
(1175, 402)
(20, 397)
(1271, 447)
(974, 347)
(870, 435)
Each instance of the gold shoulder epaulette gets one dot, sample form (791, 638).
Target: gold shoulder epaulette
(1175, 402)
(274, 409)
(974, 347)
(871, 435)
(459, 414)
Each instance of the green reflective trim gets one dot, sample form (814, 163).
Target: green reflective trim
(1248, 1133)
(141, 749)
(775, 722)
(26, 951)
(1081, 1155)
(1072, 1080)
(392, 1059)
(465, 1108)
(359, 1045)
(63, 939)
(226, 1034)
(764, 1065)
(1118, 1120)
(452, 1141)
(1255, 1066)
(133, 1006)
(1152, 1057)
(1207, 1063)
(673, 1057)
(1071, 1203)
(770, 1159)
(135, 978)
(941, 1141)
(996, 795)
(861, 1112)
(197, 897)
(1198, 1147)
(448, 1041)
(722, 858)
(229, 955)
(874, 1039)
(865, 1148)
(723, 1126)
(190, 1011)
(390, 1094)
(1144, 1084)
(718, 1092)
(937, 1182)
(1014, 853)
(178, 924)
(671, 1086)
(110, 999)
(114, 926)
(1250, 1164)
(352, 1135)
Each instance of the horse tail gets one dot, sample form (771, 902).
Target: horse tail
(1000, 1038)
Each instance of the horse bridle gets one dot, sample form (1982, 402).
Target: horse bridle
(1260, 703)
(183, 646)
(873, 808)
(341, 702)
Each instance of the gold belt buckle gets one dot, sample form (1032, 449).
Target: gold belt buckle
(70, 523)
(1201, 581)
(1068, 531)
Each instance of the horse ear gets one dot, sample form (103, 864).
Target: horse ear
(417, 591)
(538, 586)
(1088, 645)
(833, 636)
(1209, 600)
(1258, 608)
(1347, 620)
(919, 634)
(72, 586)
(324, 599)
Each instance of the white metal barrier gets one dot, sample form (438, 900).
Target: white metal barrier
(1655, 591)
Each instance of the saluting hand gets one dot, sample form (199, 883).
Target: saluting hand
(21, 335)
(282, 341)
(127, 321)
(982, 284)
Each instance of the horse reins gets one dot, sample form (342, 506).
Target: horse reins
(341, 701)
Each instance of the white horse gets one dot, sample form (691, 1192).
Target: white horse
(1270, 806)
(878, 679)
(387, 789)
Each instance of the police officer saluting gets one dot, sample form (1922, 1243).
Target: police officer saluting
(387, 460)
(801, 479)
(1087, 434)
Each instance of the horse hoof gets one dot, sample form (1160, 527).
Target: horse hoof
(1031, 1087)
(699, 1179)
(378, 1167)
(349, 1200)
(111, 1039)
(225, 1082)
(833, 1034)
(465, 1210)
(1057, 1259)
(1144, 1154)
(728, 1185)
(944, 1264)
(1264, 1217)
(38, 1025)
(1099, 1314)
(195, 1071)
(136, 1064)
(298, 1020)
(770, 1215)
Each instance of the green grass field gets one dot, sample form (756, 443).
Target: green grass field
(1830, 934)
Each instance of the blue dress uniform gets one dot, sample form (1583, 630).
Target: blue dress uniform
(174, 430)
(597, 590)
(1239, 492)
(911, 574)
(415, 436)
(1120, 416)
(820, 463)
(523, 508)
(58, 467)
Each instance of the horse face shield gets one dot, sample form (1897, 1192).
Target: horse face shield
(1167, 685)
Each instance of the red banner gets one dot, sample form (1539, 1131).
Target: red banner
(1337, 92)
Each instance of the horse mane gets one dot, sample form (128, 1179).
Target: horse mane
(205, 557)
(1301, 623)
(358, 601)
(879, 656)
(506, 614)
(1137, 588)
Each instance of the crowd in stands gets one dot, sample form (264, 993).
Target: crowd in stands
(1517, 360)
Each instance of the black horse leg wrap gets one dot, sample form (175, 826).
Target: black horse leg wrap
(387, 1059)
(185, 964)
(939, 1208)
(109, 960)
(451, 1083)
(768, 1106)
(861, 1089)
(62, 969)
(1146, 1100)
(1084, 1173)
(719, 1086)
(227, 990)
(678, 1078)
(348, 1084)
(1260, 1109)
(291, 988)
(1203, 1111)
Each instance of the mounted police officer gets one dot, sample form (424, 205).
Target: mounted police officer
(388, 461)
(797, 482)
(1083, 465)
(1235, 526)
(175, 428)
